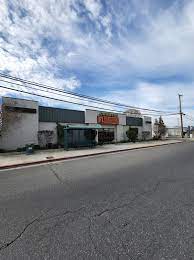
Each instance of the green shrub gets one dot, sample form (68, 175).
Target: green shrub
(132, 134)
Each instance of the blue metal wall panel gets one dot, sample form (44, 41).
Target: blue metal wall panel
(134, 121)
(49, 114)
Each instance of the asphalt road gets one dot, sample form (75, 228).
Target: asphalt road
(130, 205)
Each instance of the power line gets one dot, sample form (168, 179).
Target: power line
(61, 100)
(63, 94)
(57, 99)
(156, 114)
(164, 115)
(48, 91)
(190, 118)
(78, 95)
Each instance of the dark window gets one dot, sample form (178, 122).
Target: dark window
(21, 109)
(134, 121)
(49, 114)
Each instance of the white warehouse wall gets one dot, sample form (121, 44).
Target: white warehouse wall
(147, 127)
(120, 129)
(91, 116)
(49, 126)
(122, 119)
(120, 133)
(21, 128)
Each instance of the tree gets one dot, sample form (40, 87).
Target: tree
(132, 134)
(155, 129)
(159, 128)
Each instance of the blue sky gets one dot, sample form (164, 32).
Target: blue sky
(139, 52)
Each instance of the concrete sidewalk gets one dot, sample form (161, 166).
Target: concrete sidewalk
(14, 159)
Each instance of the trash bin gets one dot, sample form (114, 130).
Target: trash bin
(29, 150)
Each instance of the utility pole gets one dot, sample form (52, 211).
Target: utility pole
(181, 115)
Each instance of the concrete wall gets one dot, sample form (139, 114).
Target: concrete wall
(140, 130)
(48, 126)
(120, 133)
(91, 116)
(19, 128)
(147, 127)
(122, 119)
(176, 132)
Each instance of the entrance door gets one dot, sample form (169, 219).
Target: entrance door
(106, 135)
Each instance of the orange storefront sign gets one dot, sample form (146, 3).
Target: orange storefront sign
(108, 120)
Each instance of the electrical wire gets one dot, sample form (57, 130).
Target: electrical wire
(48, 91)
(79, 95)
(57, 99)
(190, 118)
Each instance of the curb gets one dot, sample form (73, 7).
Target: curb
(45, 161)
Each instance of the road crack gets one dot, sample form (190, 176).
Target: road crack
(97, 251)
(55, 174)
(38, 219)
(63, 214)
(141, 194)
(5, 245)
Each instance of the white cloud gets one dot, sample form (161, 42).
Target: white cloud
(106, 22)
(127, 40)
(94, 7)
(162, 46)
(159, 97)
(21, 51)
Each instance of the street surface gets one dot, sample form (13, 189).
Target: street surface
(131, 205)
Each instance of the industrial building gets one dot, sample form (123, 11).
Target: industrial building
(174, 132)
(25, 122)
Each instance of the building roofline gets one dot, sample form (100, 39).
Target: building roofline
(49, 107)
(20, 99)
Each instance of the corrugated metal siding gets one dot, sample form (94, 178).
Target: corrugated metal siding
(134, 121)
(49, 114)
